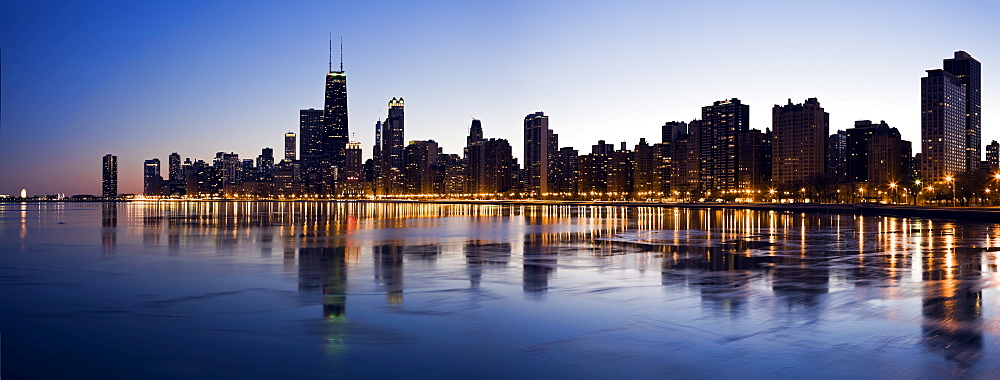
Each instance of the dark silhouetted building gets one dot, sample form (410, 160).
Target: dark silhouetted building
(290, 146)
(489, 166)
(540, 146)
(392, 136)
(672, 130)
(152, 182)
(993, 155)
(265, 165)
(335, 131)
(836, 158)
(109, 179)
(857, 147)
(755, 161)
(418, 157)
(565, 171)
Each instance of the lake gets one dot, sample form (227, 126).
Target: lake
(366, 289)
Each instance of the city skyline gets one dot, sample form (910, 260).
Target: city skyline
(583, 107)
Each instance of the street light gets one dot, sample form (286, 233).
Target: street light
(952, 180)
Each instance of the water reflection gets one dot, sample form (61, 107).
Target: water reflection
(812, 280)
(109, 227)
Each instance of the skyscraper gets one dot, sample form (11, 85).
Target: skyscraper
(540, 147)
(475, 132)
(265, 165)
(311, 137)
(943, 130)
(721, 124)
(392, 136)
(353, 173)
(174, 169)
(335, 135)
(109, 182)
(967, 69)
(799, 142)
(290, 145)
(152, 182)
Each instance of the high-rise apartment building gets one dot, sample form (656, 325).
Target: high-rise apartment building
(290, 146)
(646, 178)
(943, 129)
(683, 162)
(967, 70)
(798, 142)
(109, 180)
(540, 147)
(721, 125)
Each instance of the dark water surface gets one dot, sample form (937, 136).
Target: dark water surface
(335, 290)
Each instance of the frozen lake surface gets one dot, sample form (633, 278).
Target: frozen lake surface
(285, 290)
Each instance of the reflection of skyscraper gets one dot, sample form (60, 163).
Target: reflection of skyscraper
(389, 271)
(324, 270)
(109, 227)
(109, 180)
(722, 274)
(480, 254)
(539, 263)
(952, 305)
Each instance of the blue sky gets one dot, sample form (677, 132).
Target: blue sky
(142, 79)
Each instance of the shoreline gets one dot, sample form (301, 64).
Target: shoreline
(991, 214)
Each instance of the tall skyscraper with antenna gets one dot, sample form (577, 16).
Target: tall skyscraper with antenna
(335, 134)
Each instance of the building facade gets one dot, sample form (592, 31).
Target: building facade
(799, 146)
(721, 125)
(967, 70)
(943, 131)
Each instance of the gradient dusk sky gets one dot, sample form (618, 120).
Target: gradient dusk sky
(144, 79)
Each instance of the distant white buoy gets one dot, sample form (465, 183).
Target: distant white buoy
(24, 193)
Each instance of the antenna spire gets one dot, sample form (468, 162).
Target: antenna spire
(341, 53)
(331, 51)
